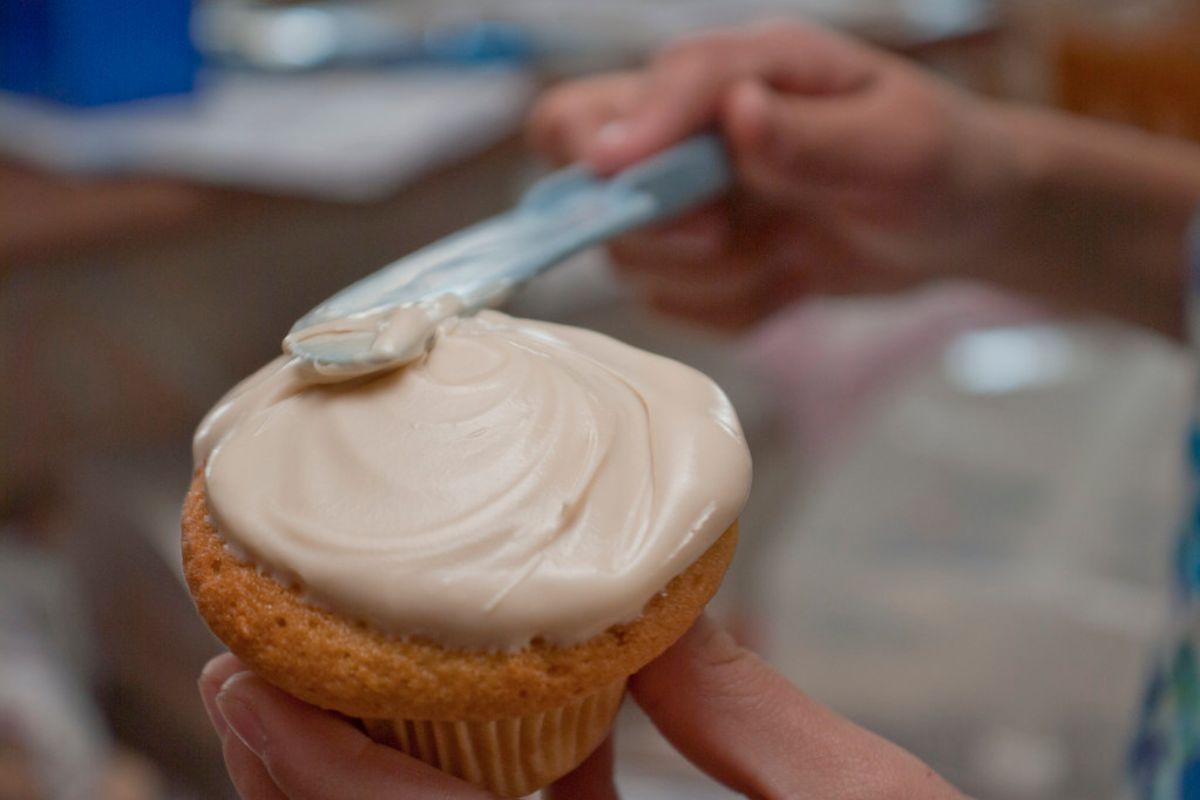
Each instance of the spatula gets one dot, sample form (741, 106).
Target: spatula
(358, 330)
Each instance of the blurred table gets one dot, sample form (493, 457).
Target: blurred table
(127, 306)
(45, 217)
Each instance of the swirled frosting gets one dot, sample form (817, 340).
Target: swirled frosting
(518, 480)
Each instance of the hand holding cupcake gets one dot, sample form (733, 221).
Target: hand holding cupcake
(721, 706)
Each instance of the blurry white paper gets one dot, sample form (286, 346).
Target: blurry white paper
(342, 135)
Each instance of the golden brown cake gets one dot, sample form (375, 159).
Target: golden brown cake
(397, 686)
(499, 648)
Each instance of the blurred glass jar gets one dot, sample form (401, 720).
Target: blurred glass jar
(1131, 62)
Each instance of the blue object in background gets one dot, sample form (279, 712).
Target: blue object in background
(482, 42)
(94, 52)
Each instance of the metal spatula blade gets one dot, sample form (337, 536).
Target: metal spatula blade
(562, 214)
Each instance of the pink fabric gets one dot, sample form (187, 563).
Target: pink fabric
(828, 359)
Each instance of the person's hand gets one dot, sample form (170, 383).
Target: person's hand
(856, 171)
(718, 704)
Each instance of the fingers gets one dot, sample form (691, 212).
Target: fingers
(591, 780)
(744, 724)
(567, 119)
(685, 86)
(212, 678)
(613, 120)
(689, 248)
(311, 754)
(246, 770)
(718, 267)
(731, 297)
(895, 140)
(791, 148)
(277, 747)
(807, 113)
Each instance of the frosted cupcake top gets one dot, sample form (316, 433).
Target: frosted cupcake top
(519, 480)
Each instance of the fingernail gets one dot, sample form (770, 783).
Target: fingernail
(612, 134)
(705, 634)
(210, 704)
(750, 111)
(240, 715)
(716, 643)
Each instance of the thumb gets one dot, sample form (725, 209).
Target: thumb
(686, 83)
(312, 754)
(745, 725)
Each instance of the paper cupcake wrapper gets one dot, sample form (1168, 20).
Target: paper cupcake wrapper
(510, 757)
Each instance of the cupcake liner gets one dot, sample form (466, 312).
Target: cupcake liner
(511, 757)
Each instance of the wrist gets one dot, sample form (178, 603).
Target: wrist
(999, 177)
(1096, 216)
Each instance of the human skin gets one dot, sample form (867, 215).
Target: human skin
(858, 172)
(720, 705)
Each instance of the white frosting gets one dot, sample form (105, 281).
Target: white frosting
(520, 479)
(374, 341)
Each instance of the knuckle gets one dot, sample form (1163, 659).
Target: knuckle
(553, 99)
(700, 50)
(565, 100)
(786, 157)
(780, 29)
(555, 105)
(923, 117)
(546, 121)
(921, 148)
(709, 49)
(684, 55)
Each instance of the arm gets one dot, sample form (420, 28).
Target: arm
(1103, 217)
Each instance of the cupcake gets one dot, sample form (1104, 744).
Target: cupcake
(471, 553)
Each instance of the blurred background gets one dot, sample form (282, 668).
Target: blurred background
(959, 529)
